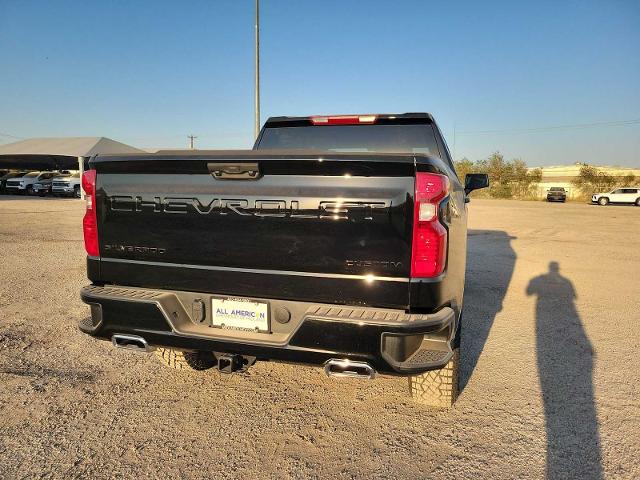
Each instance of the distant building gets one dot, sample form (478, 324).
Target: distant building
(562, 175)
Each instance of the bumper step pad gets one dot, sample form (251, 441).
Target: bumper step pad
(427, 356)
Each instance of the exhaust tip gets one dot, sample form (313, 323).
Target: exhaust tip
(349, 368)
(131, 342)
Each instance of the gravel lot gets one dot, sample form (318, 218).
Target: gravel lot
(550, 370)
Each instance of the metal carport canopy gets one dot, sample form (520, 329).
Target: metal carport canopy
(57, 152)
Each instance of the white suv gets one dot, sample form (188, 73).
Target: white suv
(24, 184)
(618, 195)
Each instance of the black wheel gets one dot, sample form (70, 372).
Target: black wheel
(29, 190)
(437, 388)
(76, 191)
(186, 360)
(638, 202)
(603, 201)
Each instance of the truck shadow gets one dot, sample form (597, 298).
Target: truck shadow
(490, 263)
(565, 367)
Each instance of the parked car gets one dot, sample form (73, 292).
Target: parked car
(8, 176)
(67, 185)
(24, 184)
(43, 186)
(556, 194)
(618, 195)
(352, 259)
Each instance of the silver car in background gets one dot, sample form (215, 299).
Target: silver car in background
(67, 185)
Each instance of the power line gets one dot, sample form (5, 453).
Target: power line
(576, 126)
(191, 139)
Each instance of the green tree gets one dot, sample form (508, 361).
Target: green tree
(524, 181)
(628, 180)
(592, 180)
(506, 178)
(463, 167)
(501, 174)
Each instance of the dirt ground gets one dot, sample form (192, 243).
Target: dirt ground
(550, 370)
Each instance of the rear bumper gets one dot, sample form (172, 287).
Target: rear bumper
(391, 341)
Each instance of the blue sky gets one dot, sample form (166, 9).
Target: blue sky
(150, 73)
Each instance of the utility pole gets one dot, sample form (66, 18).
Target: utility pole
(256, 129)
(191, 139)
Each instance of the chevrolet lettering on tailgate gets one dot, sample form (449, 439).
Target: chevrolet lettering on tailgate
(259, 208)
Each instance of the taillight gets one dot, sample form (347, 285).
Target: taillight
(90, 222)
(429, 249)
(344, 120)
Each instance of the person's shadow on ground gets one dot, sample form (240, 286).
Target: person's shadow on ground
(565, 367)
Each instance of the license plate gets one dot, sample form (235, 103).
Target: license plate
(240, 314)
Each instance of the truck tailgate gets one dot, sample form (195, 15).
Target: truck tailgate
(332, 229)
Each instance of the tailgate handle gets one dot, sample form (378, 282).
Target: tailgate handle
(234, 171)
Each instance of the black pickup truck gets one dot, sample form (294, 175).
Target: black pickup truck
(338, 241)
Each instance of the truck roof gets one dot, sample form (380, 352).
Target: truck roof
(250, 154)
(411, 117)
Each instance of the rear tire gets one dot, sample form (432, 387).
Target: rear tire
(180, 360)
(603, 201)
(437, 388)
